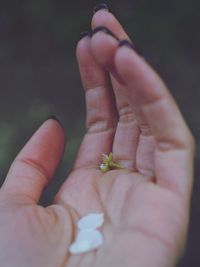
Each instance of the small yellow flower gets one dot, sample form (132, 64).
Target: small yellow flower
(108, 163)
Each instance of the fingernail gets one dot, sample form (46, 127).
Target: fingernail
(84, 34)
(99, 7)
(53, 117)
(105, 30)
(130, 45)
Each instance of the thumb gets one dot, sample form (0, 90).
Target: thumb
(35, 164)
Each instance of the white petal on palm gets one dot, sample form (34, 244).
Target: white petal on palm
(93, 236)
(91, 221)
(87, 240)
(80, 247)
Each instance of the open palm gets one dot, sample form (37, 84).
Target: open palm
(146, 204)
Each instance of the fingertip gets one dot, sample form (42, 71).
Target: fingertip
(106, 31)
(124, 59)
(103, 44)
(91, 72)
(104, 47)
(130, 45)
(100, 7)
(58, 127)
(137, 74)
(101, 17)
(83, 41)
(55, 129)
(85, 34)
(55, 118)
(83, 48)
(108, 20)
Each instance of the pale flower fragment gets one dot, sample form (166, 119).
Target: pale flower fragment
(91, 221)
(88, 237)
(80, 247)
(93, 236)
(86, 241)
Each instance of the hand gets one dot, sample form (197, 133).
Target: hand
(146, 205)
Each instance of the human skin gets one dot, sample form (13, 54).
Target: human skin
(146, 204)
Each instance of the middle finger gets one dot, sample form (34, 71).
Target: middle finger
(133, 142)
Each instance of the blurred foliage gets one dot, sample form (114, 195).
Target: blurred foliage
(39, 74)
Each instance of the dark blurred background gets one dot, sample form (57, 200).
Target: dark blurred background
(39, 74)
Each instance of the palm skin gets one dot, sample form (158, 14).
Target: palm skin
(146, 205)
(145, 224)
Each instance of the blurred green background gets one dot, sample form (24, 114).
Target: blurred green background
(39, 74)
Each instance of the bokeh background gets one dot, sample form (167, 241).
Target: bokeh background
(39, 74)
